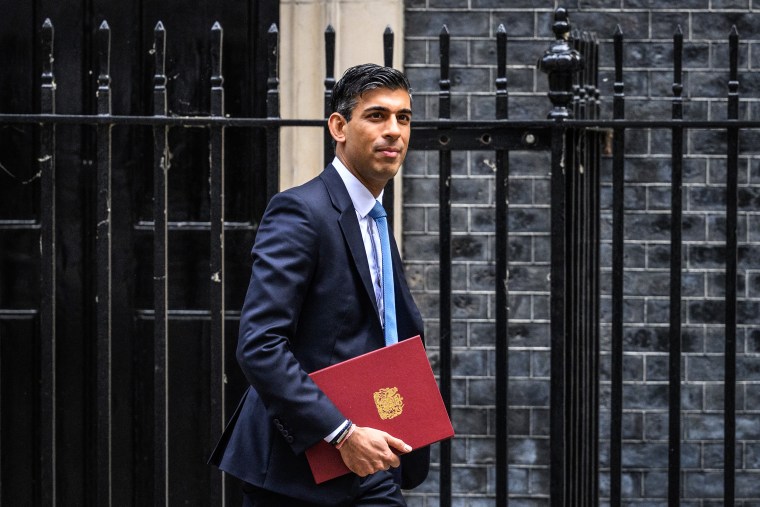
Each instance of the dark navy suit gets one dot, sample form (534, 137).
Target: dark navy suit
(310, 304)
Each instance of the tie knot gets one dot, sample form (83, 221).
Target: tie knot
(378, 211)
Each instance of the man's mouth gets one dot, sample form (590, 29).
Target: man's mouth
(390, 152)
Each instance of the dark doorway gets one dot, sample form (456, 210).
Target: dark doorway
(188, 31)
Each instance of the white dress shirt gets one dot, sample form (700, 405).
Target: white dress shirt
(364, 201)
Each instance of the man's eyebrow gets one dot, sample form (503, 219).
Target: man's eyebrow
(385, 109)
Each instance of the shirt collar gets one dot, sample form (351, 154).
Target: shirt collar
(362, 198)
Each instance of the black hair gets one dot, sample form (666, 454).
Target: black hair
(361, 78)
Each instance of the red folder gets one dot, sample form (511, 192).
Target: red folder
(390, 389)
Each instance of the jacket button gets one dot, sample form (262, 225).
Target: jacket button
(289, 439)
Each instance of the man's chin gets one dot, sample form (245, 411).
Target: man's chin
(393, 172)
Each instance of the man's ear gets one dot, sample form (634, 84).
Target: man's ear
(336, 123)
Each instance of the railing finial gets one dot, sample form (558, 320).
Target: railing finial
(561, 26)
(561, 62)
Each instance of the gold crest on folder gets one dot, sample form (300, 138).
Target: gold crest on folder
(389, 403)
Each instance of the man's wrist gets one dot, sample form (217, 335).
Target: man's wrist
(346, 437)
(339, 433)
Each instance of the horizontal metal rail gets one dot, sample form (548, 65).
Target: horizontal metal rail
(207, 121)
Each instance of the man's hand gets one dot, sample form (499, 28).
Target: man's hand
(369, 450)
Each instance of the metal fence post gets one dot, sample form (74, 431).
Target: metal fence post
(273, 111)
(618, 246)
(444, 221)
(216, 261)
(389, 197)
(732, 203)
(676, 213)
(502, 279)
(46, 158)
(161, 164)
(560, 62)
(104, 271)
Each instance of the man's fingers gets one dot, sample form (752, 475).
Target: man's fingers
(398, 444)
(370, 450)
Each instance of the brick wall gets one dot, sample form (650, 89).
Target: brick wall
(648, 27)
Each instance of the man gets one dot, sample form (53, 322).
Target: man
(315, 299)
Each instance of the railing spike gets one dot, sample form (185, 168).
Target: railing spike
(678, 67)
(388, 37)
(48, 41)
(618, 31)
(104, 78)
(273, 28)
(159, 56)
(217, 80)
(445, 30)
(733, 62)
(502, 105)
(329, 57)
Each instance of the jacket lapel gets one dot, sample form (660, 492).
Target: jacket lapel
(349, 225)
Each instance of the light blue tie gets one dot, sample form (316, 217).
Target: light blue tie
(389, 301)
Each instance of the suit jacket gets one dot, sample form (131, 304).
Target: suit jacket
(310, 304)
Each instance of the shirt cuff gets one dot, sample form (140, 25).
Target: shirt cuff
(329, 438)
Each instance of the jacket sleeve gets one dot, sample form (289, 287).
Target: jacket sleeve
(285, 256)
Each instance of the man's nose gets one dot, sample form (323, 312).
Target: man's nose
(392, 127)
